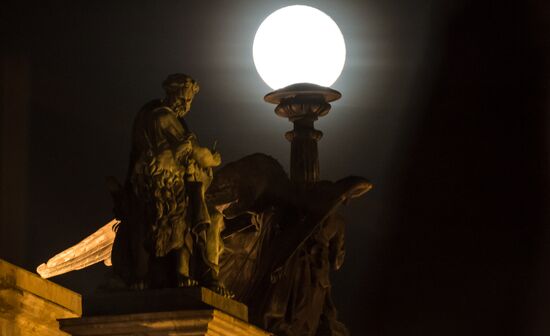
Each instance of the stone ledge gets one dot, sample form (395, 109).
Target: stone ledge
(16, 278)
(30, 305)
(191, 322)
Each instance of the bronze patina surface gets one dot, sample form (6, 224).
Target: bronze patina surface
(271, 240)
(282, 240)
(167, 236)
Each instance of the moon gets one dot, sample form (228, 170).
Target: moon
(299, 44)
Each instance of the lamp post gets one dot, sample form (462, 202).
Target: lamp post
(303, 104)
(299, 51)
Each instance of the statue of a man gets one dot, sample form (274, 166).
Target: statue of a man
(165, 219)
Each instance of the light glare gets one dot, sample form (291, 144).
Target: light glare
(299, 44)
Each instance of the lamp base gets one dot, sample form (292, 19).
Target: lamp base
(302, 104)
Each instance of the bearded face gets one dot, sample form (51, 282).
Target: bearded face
(185, 97)
(180, 91)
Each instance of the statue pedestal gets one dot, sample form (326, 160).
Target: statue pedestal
(173, 311)
(30, 305)
(173, 323)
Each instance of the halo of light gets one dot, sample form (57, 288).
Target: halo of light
(299, 44)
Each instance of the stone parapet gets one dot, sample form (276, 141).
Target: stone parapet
(30, 305)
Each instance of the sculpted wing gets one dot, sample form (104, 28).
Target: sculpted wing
(93, 249)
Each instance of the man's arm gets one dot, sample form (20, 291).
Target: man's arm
(178, 140)
(337, 250)
(184, 143)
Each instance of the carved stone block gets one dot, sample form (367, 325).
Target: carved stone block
(189, 322)
(30, 305)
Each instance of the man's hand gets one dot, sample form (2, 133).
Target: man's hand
(206, 158)
(165, 161)
(216, 159)
(183, 151)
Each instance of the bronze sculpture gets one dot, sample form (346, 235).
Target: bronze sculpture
(284, 236)
(167, 235)
(281, 243)
(271, 240)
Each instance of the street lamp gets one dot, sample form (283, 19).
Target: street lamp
(299, 51)
(291, 238)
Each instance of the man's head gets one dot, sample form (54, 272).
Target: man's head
(180, 90)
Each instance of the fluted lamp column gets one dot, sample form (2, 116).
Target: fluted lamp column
(303, 104)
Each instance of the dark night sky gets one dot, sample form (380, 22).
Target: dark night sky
(444, 108)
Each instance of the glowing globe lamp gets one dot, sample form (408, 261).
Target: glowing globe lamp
(299, 44)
